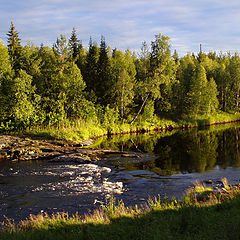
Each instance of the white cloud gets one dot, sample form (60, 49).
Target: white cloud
(125, 24)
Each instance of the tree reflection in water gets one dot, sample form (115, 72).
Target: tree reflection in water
(196, 150)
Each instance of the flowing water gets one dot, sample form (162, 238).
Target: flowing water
(165, 164)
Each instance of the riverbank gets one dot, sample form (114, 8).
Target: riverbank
(81, 131)
(16, 148)
(51, 142)
(202, 214)
(65, 141)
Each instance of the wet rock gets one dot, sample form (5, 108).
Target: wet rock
(130, 155)
(22, 149)
(106, 169)
(61, 144)
(86, 142)
(47, 150)
(77, 158)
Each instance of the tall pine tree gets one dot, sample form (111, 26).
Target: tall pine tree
(74, 44)
(14, 48)
(91, 70)
(104, 75)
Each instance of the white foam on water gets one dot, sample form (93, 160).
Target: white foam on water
(86, 178)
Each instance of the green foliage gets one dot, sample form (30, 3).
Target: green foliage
(148, 111)
(123, 81)
(72, 91)
(110, 118)
(196, 97)
(68, 82)
(7, 126)
(25, 100)
(5, 65)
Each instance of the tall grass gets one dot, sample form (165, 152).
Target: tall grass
(79, 130)
(201, 214)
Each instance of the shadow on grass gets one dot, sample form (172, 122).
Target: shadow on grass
(220, 221)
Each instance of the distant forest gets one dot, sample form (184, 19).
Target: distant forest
(66, 82)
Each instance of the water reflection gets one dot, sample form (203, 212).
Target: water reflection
(179, 151)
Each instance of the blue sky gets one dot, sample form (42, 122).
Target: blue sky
(127, 23)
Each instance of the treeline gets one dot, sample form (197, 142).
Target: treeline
(43, 85)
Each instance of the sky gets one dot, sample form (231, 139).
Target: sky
(127, 23)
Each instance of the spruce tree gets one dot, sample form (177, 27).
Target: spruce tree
(74, 44)
(14, 48)
(91, 73)
(104, 75)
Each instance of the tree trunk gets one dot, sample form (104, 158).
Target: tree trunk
(140, 110)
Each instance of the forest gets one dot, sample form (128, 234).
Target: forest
(69, 82)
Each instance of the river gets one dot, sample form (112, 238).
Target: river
(161, 164)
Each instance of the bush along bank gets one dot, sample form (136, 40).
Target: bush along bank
(82, 130)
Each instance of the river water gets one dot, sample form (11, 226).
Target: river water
(161, 164)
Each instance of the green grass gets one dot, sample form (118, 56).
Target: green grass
(221, 117)
(202, 214)
(77, 131)
(81, 130)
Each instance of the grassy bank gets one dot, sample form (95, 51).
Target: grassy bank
(202, 214)
(81, 130)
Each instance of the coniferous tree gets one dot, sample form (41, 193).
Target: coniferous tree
(74, 44)
(91, 69)
(104, 75)
(14, 48)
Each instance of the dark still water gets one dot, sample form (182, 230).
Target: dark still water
(164, 164)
